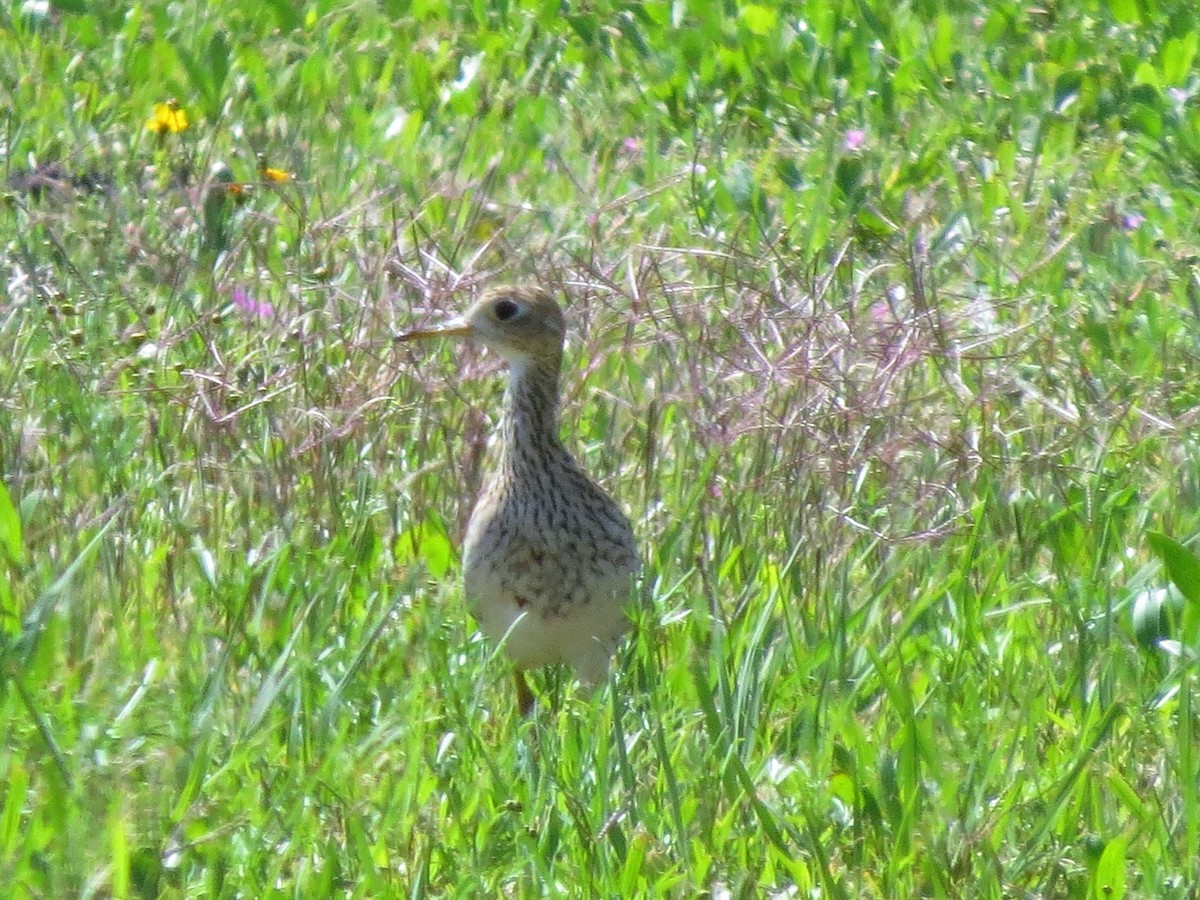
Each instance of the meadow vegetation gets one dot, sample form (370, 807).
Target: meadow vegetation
(883, 328)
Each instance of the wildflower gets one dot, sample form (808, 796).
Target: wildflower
(238, 192)
(250, 306)
(854, 140)
(270, 173)
(277, 175)
(1132, 221)
(169, 117)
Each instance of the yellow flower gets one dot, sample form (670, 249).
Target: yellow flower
(271, 174)
(168, 117)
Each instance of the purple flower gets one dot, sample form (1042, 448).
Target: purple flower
(1131, 221)
(632, 146)
(251, 307)
(854, 139)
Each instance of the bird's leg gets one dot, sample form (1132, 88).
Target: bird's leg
(524, 695)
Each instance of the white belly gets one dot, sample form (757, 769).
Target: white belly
(541, 619)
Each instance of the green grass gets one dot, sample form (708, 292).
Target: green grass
(883, 328)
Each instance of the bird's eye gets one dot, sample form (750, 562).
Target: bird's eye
(506, 309)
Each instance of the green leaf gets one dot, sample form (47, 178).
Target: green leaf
(848, 175)
(1177, 57)
(943, 45)
(11, 544)
(1125, 11)
(1151, 614)
(1110, 872)
(426, 544)
(1145, 73)
(1183, 566)
(218, 61)
(1066, 89)
(1146, 119)
(287, 14)
(197, 73)
(366, 551)
(586, 27)
(758, 20)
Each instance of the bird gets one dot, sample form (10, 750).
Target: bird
(549, 559)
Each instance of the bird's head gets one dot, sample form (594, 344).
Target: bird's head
(522, 323)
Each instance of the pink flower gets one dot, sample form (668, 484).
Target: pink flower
(251, 307)
(854, 140)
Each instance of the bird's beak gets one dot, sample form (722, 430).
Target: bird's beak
(456, 327)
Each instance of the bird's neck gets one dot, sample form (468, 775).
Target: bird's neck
(529, 424)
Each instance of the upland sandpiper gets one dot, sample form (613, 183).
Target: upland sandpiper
(549, 558)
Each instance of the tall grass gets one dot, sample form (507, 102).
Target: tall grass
(883, 328)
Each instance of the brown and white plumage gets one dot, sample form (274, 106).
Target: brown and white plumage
(549, 558)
